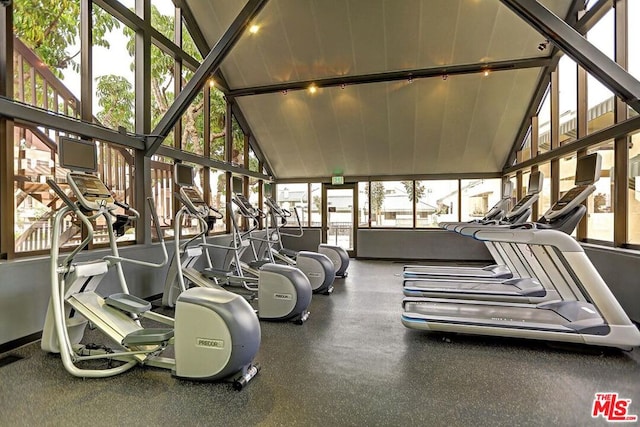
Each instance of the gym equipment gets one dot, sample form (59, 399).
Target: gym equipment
(530, 282)
(279, 218)
(503, 268)
(585, 310)
(587, 313)
(317, 267)
(281, 293)
(215, 334)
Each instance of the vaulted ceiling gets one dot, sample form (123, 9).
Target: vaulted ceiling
(444, 124)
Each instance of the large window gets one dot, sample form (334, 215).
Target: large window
(162, 191)
(478, 196)
(114, 87)
(391, 203)
(600, 203)
(544, 125)
(294, 196)
(316, 205)
(544, 202)
(567, 98)
(218, 198)
(162, 94)
(600, 100)
(437, 201)
(363, 204)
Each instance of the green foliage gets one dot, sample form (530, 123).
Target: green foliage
(117, 100)
(419, 190)
(51, 27)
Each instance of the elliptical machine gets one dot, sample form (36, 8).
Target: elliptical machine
(280, 293)
(215, 334)
(279, 218)
(317, 267)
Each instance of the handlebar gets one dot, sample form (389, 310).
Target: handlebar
(63, 196)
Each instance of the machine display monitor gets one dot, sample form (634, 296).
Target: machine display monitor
(78, 154)
(588, 169)
(183, 175)
(534, 183)
(237, 185)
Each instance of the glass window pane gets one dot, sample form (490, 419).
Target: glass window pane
(600, 100)
(218, 111)
(162, 17)
(600, 202)
(188, 44)
(363, 204)
(114, 76)
(218, 199)
(193, 127)
(316, 205)
(46, 55)
(35, 160)
(568, 98)
(162, 191)
(544, 202)
(634, 190)
(478, 196)
(437, 202)
(290, 196)
(237, 155)
(161, 88)
(525, 152)
(115, 169)
(544, 124)
(253, 161)
(392, 204)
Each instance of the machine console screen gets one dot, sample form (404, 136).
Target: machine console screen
(568, 197)
(91, 189)
(194, 196)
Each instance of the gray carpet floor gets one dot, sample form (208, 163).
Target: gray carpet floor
(351, 364)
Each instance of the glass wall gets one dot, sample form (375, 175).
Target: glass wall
(544, 202)
(567, 98)
(600, 99)
(315, 220)
(363, 204)
(294, 196)
(478, 196)
(114, 78)
(437, 201)
(218, 197)
(544, 125)
(391, 203)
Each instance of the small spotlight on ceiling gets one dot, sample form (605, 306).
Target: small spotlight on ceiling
(542, 46)
(313, 89)
(284, 92)
(254, 29)
(212, 83)
(410, 79)
(445, 76)
(486, 73)
(342, 86)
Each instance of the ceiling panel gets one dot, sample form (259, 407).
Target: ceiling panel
(430, 126)
(461, 124)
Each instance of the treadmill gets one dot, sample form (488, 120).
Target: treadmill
(586, 312)
(537, 265)
(503, 268)
(594, 317)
